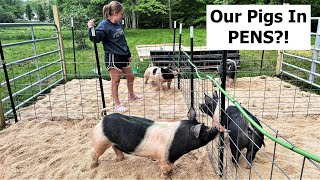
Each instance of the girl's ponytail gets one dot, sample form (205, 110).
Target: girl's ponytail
(111, 8)
(106, 11)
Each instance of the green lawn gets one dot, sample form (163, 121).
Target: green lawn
(85, 56)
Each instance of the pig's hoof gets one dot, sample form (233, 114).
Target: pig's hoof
(165, 176)
(119, 159)
(247, 166)
(94, 165)
(235, 164)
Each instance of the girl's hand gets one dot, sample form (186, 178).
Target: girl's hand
(91, 23)
(129, 59)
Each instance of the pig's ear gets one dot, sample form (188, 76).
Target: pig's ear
(215, 94)
(195, 130)
(192, 114)
(207, 99)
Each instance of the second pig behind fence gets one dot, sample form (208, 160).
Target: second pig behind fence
(242, 134)
(231, 72)
(160, 75)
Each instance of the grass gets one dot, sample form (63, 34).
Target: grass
(86, 59)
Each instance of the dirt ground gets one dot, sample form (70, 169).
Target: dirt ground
(47, 144)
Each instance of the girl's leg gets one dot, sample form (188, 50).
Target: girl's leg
(115, 80)
(127, 71)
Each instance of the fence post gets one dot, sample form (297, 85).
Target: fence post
(174, 36)
(315, 54)
(56, 16)
(2, 119)
(222, 111)
(74, 50)
(179, 56)
(261, 62)
(279, 61)
(192, 68)
(279, 64)
(93, 33)
(3, 62)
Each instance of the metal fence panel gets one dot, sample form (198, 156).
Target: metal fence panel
(304, 66)
(32, 55)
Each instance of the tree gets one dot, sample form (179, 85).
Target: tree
(81, 11)
(170, 15)
(50, 13)
(59, 3)
(151, 13)
(6, 17)
(190, 13)
(133, 14)
(41, 14)
(14, 7)
(45, 11)
(28, 11)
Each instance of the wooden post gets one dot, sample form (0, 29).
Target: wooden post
(2, 119)
(280, 56)
(279, 61)
(56, 16)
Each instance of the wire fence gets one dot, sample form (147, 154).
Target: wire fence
(274, 101)
(274, 157)
(32, 71)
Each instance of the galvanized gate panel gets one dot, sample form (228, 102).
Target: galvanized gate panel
(303, 65)
(33, 59)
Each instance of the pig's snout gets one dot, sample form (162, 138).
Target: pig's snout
(175, 73)
(213, 130)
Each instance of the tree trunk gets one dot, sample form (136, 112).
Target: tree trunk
(127, 22)
(170, 16)
(133, 14)
(137, 20)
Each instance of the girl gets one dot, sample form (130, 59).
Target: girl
(117, 52)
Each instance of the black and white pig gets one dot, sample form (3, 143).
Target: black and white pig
(160, 75)
(231, 71)
(164, 141)
(242, 134)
